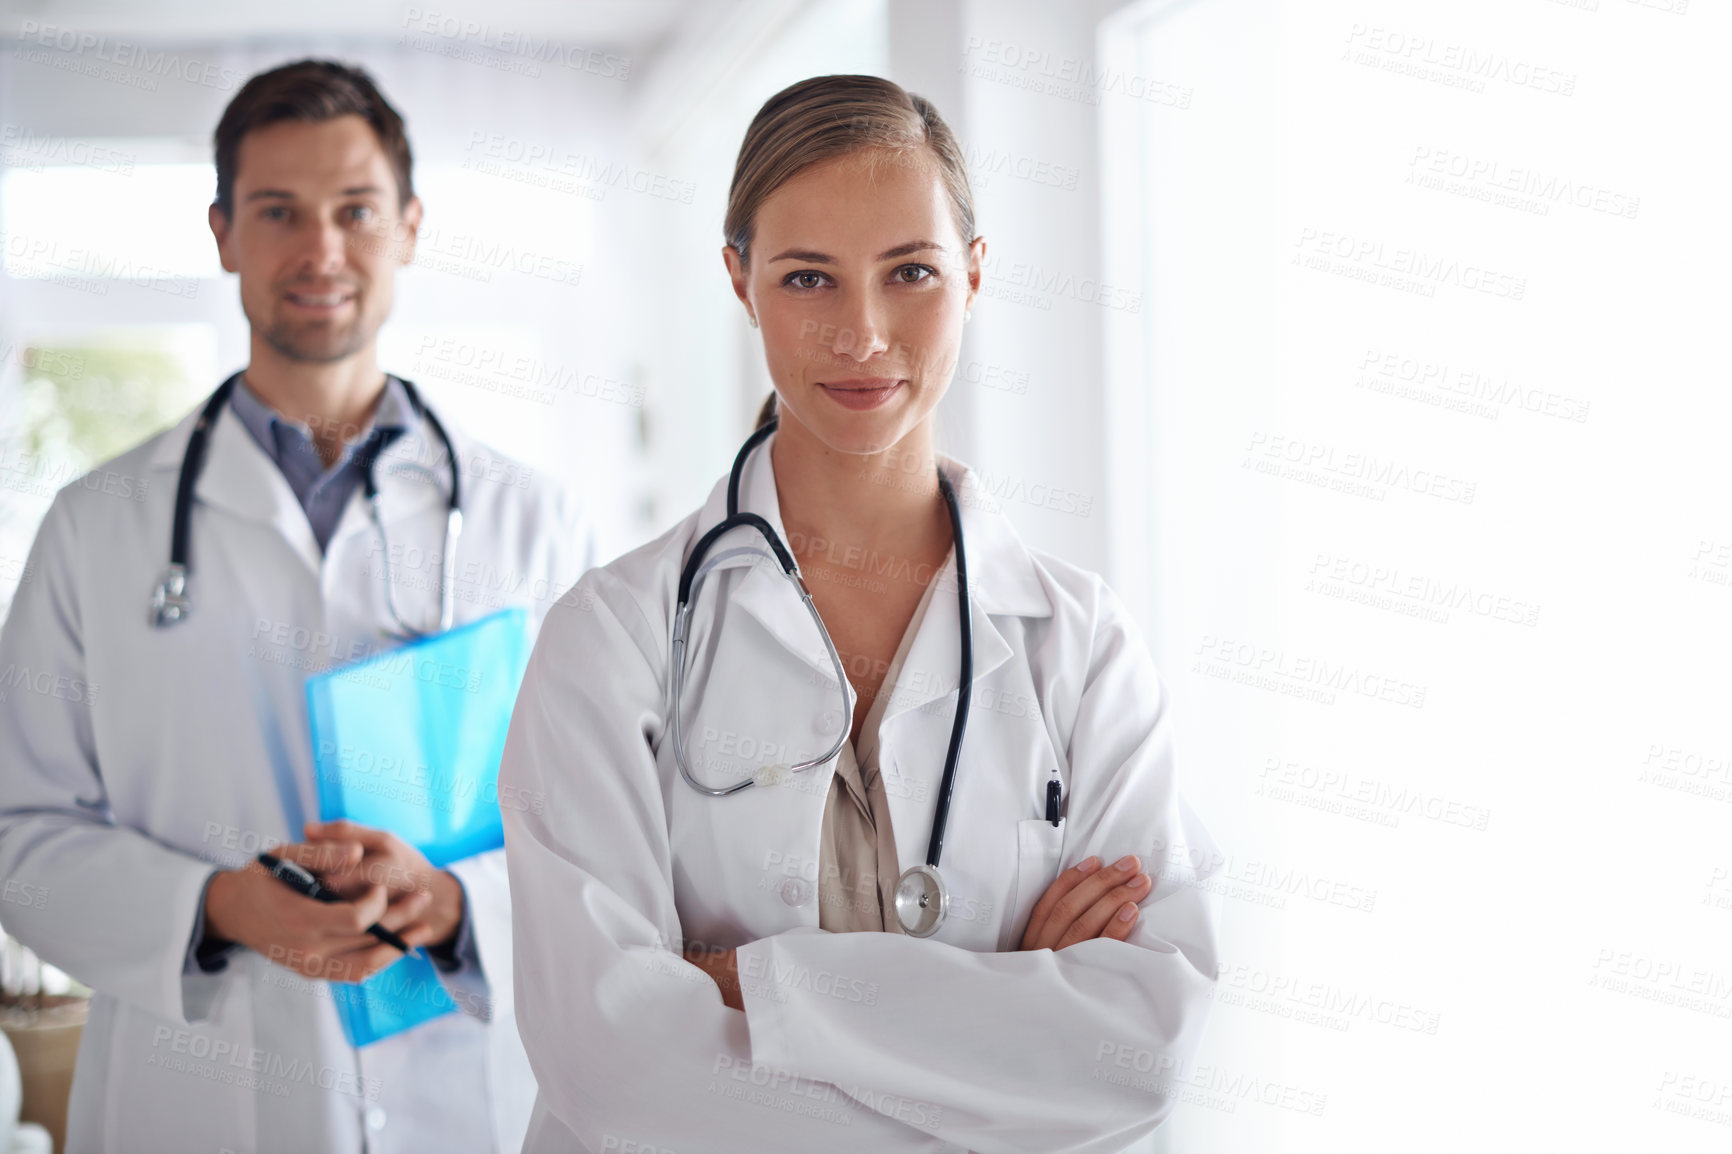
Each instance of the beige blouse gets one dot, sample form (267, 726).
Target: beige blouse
(857, 854)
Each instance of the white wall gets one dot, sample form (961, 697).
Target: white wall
(1436, 560)
(1032, 369)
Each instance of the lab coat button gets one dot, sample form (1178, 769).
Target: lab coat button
(375, 1118)
(795, 892)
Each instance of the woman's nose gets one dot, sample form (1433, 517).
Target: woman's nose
(862, 336)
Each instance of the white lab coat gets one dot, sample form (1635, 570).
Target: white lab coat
(138, 760)
(871, 1042)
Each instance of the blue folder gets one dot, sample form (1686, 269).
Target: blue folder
(409, 741)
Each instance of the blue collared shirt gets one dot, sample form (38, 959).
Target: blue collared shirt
(321, 490)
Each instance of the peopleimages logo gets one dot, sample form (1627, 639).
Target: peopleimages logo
(1399, 266)
(22, 148)
(456, 36)
(87, 52)
(1451, 63)
(1348, 471)
(1066, 77)
(499, 155)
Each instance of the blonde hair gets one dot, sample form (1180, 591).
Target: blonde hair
(831, 116)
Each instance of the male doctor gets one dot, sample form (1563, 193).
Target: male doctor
(145, 765)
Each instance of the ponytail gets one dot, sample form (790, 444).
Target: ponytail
(767, 413)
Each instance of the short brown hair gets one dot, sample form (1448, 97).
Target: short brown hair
(831, 116)
(312, 91)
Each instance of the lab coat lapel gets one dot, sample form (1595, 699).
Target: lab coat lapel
(763, 592)
(239, 479)
(1003, 584)
(413, 475)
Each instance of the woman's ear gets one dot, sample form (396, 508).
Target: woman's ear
(737, 275)
(976, 259)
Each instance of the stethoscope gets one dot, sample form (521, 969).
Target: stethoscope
(922, 899)
(170, 601)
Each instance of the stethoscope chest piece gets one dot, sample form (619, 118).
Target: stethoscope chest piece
(168, 601)
(921, 901)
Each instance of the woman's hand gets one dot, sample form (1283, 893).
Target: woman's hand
(1083, 902)
(1087, 901)
(723, 968)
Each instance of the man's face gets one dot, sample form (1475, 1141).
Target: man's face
(316, 235)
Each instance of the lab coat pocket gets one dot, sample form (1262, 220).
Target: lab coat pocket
(1039, 849)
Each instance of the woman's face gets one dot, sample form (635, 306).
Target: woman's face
(859, 281)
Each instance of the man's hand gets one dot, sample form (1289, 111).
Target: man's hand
(359, 858)
(1086, 902)
(318, 939)
(723, 967)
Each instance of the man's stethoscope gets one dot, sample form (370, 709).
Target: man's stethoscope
(170, 602)
(922, 900)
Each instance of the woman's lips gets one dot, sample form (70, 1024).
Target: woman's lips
(865, 393)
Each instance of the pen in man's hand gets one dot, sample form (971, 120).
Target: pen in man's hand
(304, 883)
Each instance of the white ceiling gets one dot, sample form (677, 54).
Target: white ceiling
(634, 24)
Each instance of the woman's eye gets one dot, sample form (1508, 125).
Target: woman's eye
(913, 273)
(806, 279)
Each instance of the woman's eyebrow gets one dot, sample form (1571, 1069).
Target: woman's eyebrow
(804, 255)
(909, 249)
(811, 257)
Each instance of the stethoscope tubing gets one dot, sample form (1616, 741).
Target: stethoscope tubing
(698, 564)
(171, 602)
(965, 679)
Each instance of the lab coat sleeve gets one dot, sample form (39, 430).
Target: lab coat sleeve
(1073, 1050)
(478, 971)
(628, 1041)
(110, 905)
(206, 956)
(573, 554)
(482, 948)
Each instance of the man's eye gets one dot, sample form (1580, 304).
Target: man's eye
(361, 212)
(275, 212)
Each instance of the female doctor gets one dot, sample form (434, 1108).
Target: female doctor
(990, 787)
